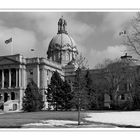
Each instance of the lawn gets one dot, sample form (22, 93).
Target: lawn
(16, 120)
(61, 119)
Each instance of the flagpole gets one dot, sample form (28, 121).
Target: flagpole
(11, 48)
(10, 45)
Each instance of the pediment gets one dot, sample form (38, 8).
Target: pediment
(5, 60)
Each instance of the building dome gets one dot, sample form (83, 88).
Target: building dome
(63, 42)
(62, 47)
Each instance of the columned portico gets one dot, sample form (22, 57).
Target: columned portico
(10, 78)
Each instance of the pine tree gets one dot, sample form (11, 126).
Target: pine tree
(67, 96)
(55, 92)
(59, 93)
(33, 99)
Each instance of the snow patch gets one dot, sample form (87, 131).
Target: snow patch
(52, 123)
(121, 118)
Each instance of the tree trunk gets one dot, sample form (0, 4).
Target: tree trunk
(79, 108)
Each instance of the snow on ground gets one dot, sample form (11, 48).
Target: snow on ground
(117, 118)
(64, 123)
(120, 118)
(51, 123)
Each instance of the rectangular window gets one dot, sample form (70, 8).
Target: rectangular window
(122, 97)
(31, 72)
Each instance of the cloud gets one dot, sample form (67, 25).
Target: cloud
(45, 22)
(22, 41)
(111, 52)
(46, 25)
(80, 31)
(116, 20)
(36, 29)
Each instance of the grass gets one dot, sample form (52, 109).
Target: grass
(16, 120)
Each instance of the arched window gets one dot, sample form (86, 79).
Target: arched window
(13, 96)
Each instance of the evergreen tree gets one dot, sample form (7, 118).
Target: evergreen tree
(33, 99)
(55, 92)
(67, 96)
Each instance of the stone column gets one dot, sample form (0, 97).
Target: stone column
(38, 76)
(42, 77)
(9, 96)
(9, 78)
(47, 78)
(2, 78)
(17, 78)
(2, 97)
(23, 78)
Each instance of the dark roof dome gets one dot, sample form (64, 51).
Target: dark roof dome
(62, 41)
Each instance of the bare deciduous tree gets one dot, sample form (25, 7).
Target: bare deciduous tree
(79, 84)
(81, 62)
(131, 35)
(116, 74)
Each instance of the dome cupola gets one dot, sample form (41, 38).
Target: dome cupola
(62, 48)
(62, 26)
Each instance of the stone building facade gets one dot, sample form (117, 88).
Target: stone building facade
(17, 71)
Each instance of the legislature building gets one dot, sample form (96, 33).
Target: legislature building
(16, 71)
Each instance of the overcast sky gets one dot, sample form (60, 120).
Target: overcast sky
(95, 33)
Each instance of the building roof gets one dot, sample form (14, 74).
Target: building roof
(62, 41)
